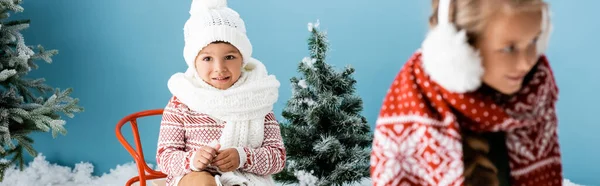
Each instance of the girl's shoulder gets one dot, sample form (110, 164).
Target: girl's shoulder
(407, 99)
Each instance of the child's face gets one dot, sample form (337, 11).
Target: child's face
(508, 48)
(219, 64)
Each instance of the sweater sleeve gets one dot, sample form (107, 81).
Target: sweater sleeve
(270, 158)
(171, 156)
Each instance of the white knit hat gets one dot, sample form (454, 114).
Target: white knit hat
(210, 21)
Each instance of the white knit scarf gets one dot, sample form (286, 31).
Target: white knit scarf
(243, 107)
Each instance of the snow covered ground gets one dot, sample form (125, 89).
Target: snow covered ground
(40, 172)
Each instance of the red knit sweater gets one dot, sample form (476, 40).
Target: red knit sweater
(183, 131)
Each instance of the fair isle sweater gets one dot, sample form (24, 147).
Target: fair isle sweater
(183, 131)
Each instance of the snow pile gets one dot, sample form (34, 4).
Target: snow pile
(41, 172)
(567, 182)
(306, 178)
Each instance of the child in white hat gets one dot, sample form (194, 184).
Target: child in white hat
(219, 127)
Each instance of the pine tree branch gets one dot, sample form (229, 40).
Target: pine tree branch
(44, 55)
(36, 84)
(17, 158)
(26, 142)
(15, 26)
(16, 22)
(329, 148)
(11, 5)
(3, 167)
(285, 177)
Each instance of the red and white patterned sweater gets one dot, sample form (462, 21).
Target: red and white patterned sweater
(183, 131)
(417, 139)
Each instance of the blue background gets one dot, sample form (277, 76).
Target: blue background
(118, 56)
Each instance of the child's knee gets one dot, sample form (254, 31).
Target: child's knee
(198, 179)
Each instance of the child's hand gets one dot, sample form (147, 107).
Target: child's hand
(205, 156)
(227, 160)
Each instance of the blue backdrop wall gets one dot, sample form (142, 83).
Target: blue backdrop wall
(118, 56)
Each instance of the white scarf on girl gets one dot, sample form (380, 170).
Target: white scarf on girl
(243, 107)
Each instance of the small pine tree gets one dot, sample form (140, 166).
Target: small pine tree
(323, 130)
(22, 111)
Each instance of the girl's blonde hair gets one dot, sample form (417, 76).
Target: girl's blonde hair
(471, 15)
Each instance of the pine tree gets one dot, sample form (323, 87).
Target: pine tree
(323, 130)
(25, 104)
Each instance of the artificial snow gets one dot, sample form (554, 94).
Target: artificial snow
(306, 178)
(309, 61)
(312, 26)
(43, 173)
(567, 182)
(6, 73)
(302, 83)
(308, 101)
